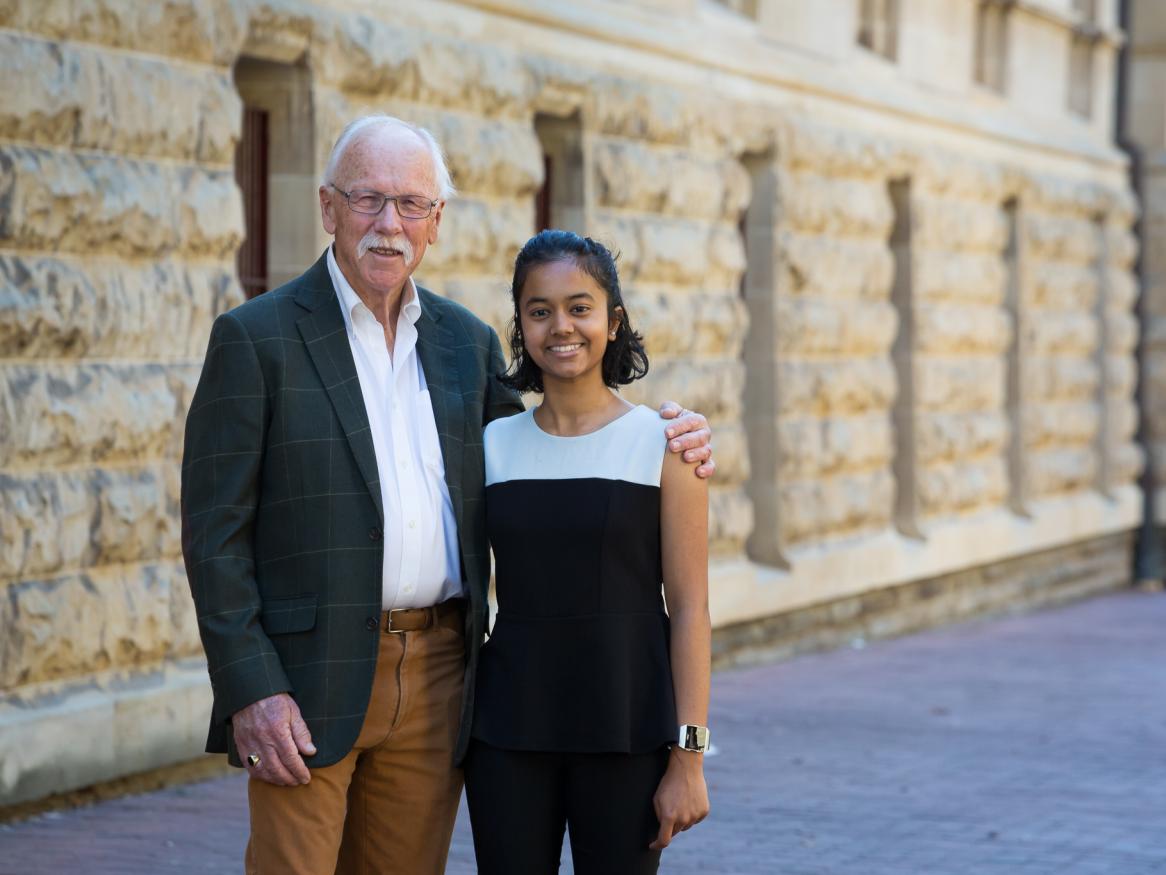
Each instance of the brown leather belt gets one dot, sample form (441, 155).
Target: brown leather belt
(450, 614)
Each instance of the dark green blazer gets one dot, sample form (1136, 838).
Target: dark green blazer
(282, 524)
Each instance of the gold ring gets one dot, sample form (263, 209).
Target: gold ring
(253, 760)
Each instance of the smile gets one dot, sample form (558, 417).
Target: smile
(567, 347)
(387, 253)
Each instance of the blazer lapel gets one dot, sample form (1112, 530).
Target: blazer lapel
(435, 346)
(326, 338)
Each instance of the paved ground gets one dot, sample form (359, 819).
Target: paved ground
(1028, 745)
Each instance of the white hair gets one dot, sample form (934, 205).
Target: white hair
(355, 129)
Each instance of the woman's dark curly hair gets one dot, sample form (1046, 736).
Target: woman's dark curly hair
(625, 359)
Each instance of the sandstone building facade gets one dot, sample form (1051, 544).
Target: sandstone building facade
(887, 246)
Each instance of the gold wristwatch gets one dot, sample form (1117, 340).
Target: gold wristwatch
(694, 738)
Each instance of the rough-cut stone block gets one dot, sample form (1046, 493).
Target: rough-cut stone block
(731, 451)
(635, 176)
(813, 509)
(52, 200)
(1121, 248)
(210, 31)
(641, 111)
(835, 387)
(480, 237)
(969, 277)
(363, 55)
(687, 324)
(140, 106)
(40, 102)
(47, 522)
(727, 260)
(1121, 328)
(184, 638)
(959, 383)
(1056, 332)
(960, 177)
(813, 326)
(1061, 286)
(1122, 376)
(72, 626)
(967, 226)
(1126, 463)
(813, 204)
(946, 437)
(730, 520)
(82, 518)
(90, 413)
(1060, 377)
(1070, 197)
(489, 299)
(1057, 238)
(950, 329)
(58, 307)
(809, 146)
(1121, 289)
(1060, 423)
(1063, 469)
(962, 486)
(833, 268)
(674, 251)
(712, 386)
(810, 447)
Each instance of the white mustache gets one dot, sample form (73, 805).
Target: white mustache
(372, 240)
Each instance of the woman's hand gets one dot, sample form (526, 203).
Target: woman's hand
(682, 799)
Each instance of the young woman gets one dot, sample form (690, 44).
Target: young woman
(591, 701)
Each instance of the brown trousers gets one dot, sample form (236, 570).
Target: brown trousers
(388, 807)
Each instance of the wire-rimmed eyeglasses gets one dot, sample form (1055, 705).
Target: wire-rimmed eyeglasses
(409, 206)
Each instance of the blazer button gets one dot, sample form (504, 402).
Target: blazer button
(372, 624)
(375, 534)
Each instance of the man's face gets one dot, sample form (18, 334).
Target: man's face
(378, 253)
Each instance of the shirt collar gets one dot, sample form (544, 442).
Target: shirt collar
(350, 300)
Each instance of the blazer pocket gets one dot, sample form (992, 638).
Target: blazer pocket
(281, 616)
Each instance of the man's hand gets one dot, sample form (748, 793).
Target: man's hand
(273, 730)
(689, 433)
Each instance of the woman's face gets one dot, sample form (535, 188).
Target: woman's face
(565, 326)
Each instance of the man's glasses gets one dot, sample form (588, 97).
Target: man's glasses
(409, 206)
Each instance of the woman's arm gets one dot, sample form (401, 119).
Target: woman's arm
(682, 798)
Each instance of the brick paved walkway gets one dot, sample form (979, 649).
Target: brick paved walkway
(1027, 745)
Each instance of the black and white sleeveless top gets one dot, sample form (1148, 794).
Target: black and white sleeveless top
(578, 659)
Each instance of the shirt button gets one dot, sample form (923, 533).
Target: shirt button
(371, 624)
(412, 524)
(375, 534)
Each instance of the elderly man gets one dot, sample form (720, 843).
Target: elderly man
(333, 526)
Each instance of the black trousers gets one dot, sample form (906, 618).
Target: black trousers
(521, 801)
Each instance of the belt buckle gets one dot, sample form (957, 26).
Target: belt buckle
(389, 625)
(428, 616)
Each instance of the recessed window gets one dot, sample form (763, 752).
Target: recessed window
(878, 25)
(748, 8)
(992, 44)
(559, 203)
(1081, 53)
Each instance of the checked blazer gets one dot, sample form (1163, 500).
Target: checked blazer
(282, 524)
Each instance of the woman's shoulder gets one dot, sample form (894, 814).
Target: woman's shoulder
(507, 427)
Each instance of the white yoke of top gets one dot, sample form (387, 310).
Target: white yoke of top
(421, 565)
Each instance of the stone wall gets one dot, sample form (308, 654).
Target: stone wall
(911, 326)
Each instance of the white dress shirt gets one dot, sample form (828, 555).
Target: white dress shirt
(421, 565)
